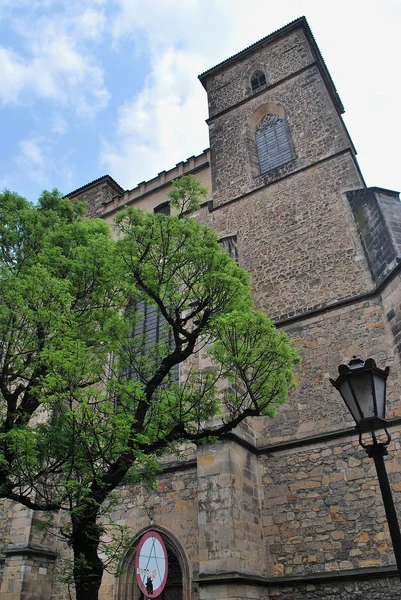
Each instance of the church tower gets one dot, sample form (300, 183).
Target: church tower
(281, 162)
(286, 508)
(323, 253)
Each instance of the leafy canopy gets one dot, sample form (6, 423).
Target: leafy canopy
(186, 194)
(84, 402)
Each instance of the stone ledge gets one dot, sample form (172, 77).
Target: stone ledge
(30, 550)
(298, 580)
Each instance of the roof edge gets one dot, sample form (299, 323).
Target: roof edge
(301, 22)
(101, 179)
(249, 49)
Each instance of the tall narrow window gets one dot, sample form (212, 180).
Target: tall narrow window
(229, 244)
(258, 81)
(151, 329)
(272, 143)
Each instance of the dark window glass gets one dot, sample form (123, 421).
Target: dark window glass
(258, 81)
(152, 329)
(162, 209)
(272, 143)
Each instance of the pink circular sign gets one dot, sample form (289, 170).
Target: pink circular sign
(151, 565)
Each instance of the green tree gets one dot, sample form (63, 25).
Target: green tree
(186, 194)
(84, 404)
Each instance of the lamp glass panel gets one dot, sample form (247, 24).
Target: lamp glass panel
(348, 398)
(380, 388)
(362, 386)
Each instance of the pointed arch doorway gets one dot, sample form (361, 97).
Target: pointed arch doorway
(178, 581)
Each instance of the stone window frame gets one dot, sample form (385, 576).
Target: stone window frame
(229, 243)
(127, 588)
(258, 81)
(256, 117)
(248, 74)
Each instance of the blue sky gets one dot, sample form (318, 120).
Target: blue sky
(91, 87)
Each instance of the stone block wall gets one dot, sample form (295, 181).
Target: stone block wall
(378, 216)
(96, 194)
(323, 509)
(315, 129)
(325, 341)
(300, 246)
(391, 299)
(298, 88)
(6, 511)
(229, 504)
(174, 501)
(388, 589)
(27, 578)
(279, 60)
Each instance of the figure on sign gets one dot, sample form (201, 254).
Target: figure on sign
(151, 564)
(149, 586)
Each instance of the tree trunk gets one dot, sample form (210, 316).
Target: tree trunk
(88, 567)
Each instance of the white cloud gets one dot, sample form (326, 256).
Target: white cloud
(58, 124)
(90, 24)
(32, 160)
(155, 129)
(163, 123)
(31, 152)
(35, 162)
(55, 64)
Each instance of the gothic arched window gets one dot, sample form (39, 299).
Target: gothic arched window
(258, 81)
(272, 143)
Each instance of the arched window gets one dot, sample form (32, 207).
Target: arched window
(258, 81)
(272, 143)
(162, 209)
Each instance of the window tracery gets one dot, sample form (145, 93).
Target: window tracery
(258, 81)
(272, 143)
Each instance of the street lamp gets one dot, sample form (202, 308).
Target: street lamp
(362, 386)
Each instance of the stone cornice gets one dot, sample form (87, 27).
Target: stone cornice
(322, 309)
(30, 550)
(298, 580)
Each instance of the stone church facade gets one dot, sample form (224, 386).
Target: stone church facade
(287, 508)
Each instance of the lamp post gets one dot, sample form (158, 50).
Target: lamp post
(362, 386)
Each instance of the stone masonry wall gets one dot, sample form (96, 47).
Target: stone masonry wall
(297, 239)
(229, 503)
(323, 510)
(175, 509)
(27, 578)
(391, 299)
(315, 130)
(279, 60)
(95, 196)
(324, 342)
(378, 217)
(5, 526)
(388, 589)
